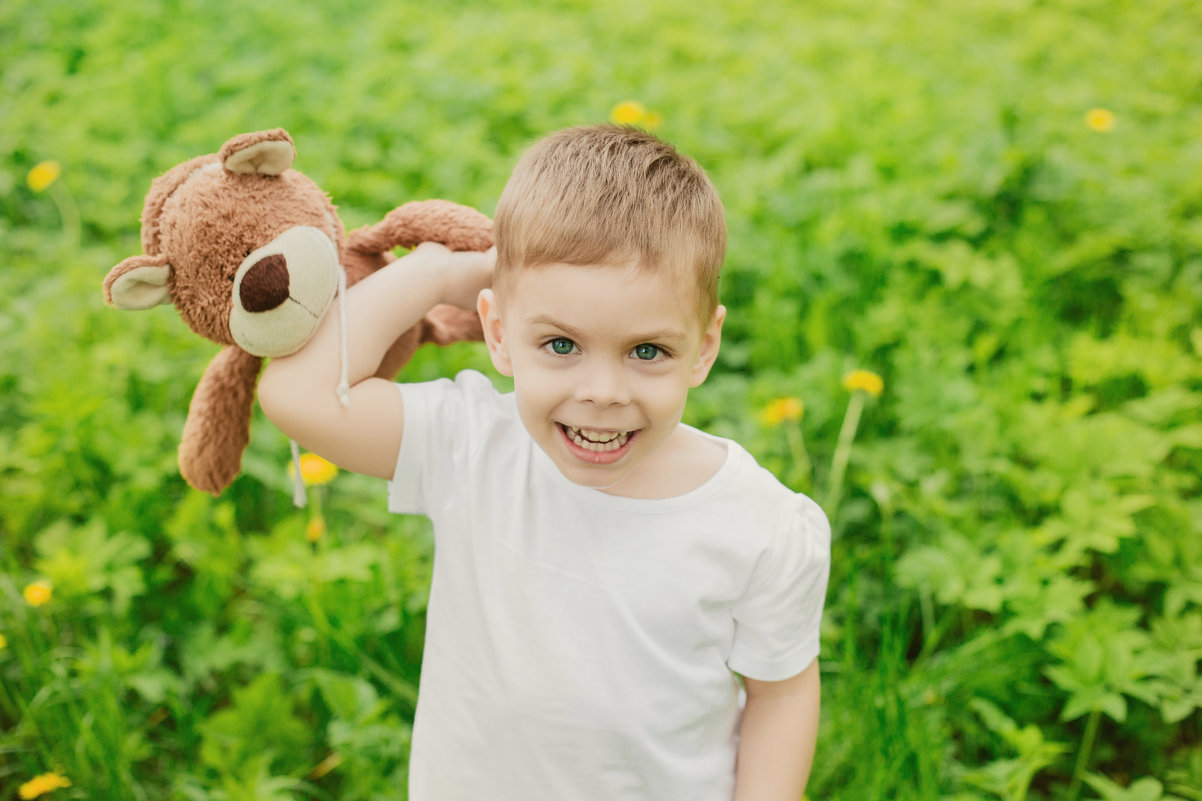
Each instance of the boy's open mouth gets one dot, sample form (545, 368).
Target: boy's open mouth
(598, 444)
(596, 441)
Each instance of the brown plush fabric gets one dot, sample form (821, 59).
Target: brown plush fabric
(218, 425)
(202, 220)
(161, 190)
(457, 227)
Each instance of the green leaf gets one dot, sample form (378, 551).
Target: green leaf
(350, 698)
(957, 573)
(1142, 789)
(258, 724)
(349, 562)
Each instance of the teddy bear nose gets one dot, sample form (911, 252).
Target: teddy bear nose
(265, 285)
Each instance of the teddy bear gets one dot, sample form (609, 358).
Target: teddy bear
(253, 254)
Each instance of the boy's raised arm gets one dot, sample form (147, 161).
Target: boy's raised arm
(299, 392)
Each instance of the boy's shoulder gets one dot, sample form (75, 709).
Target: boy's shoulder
(757, 489)
(458, 432)
(469, 381)
(468, 388)
(462, 406)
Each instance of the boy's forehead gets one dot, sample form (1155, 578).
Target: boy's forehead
(668, 332)
(576, 297)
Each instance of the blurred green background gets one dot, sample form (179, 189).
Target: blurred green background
(994, 206)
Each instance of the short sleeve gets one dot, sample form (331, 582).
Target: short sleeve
(435, 453)
(777, 621)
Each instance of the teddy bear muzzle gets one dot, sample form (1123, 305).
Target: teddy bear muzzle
(282, 290)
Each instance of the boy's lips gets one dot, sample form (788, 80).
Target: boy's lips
(597, 446)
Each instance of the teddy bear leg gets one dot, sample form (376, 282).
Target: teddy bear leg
(444, 325)
(400, 353)
(447, 324)
(218, 425)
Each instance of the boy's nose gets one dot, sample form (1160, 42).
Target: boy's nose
(603, 385)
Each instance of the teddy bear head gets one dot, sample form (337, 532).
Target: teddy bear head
(244, 247)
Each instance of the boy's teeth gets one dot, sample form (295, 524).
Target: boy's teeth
(598, 441)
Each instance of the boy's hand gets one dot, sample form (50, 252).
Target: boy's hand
(464, 273)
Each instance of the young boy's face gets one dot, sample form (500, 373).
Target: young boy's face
(602, 360)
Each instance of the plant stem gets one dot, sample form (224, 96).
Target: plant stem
(849, 627)
(1091, 733)
(847, 434)
(321, 622)
(68, 212)
(802, 467)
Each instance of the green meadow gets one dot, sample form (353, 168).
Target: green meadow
(992, 206)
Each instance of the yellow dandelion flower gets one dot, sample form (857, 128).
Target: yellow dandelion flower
(3, 642)
(38, 593)
(314, 470)
(42, 175)
(40, 785)
(864, 380)
(628, 112)
(1099, 119)
(316, 527)
(782, 410)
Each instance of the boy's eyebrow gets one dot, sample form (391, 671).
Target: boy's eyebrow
(658, 335)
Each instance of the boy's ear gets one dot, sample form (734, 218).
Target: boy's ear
(494, 332)
(711, 340)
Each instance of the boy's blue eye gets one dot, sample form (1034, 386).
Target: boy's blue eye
(646, 352)
(562, 346)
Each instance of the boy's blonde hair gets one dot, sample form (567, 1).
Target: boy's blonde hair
(609, 195)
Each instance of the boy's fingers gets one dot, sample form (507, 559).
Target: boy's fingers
(431, 246)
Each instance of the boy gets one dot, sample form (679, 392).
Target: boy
(603, 574)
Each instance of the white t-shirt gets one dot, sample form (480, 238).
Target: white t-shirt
(581, 645)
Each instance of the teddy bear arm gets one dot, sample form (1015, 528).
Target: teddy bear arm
(218, 426)
(458, 227)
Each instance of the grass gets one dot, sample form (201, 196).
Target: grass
(994, 206)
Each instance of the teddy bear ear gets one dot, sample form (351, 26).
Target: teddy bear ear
(137, 283)
(261, 153)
